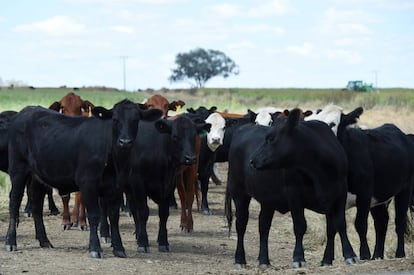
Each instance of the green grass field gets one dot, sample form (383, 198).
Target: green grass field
(232, 99)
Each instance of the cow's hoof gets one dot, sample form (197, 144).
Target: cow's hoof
(83, 227)
(54, 212)
(144, 249)
(164, 248)
(105, 239)
(326, 264)
(301, 264)
(240, 266)
(207, 212)
(10, 248)
(66, 227)
(353, 260)
(46, 244)
(96, 255)
(120, 254)
(264, 266)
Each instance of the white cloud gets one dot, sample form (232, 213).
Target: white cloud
(269, 8)
(255, 28)
(226, 10)
(55, 26)
(348, 56)
(123, 29)
(242, 45)
(306, 49)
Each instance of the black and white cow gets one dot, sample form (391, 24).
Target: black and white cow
(71, 154)
(160, 149)
(288, 167)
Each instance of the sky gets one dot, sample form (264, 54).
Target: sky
(275, 43)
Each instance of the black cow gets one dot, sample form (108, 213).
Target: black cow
(5, 119)
(71, 154)
(381, 166)
(156, 158)
(288, 167)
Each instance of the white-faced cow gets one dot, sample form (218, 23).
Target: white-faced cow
(288, 167)
(71, 154)
(209, 146)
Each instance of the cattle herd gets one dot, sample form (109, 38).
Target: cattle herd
(287, 160)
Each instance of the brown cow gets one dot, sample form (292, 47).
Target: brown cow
(161, 103)
(71, 104)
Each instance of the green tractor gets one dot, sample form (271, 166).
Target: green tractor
(358, 86)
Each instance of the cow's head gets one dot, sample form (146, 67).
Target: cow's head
(216, 134)
(125, 117)
(161, 103)
(279, 147)
(72, 104)
(264, 115)
(331, 115)
(183, 132)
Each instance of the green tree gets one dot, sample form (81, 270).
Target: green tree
(201, 65)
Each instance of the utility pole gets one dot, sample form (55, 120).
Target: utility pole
(124, 57)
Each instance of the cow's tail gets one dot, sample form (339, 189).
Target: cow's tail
(227, 210)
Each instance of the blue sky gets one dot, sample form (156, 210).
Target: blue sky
(276, 43)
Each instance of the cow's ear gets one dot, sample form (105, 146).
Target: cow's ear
(203, 128)
(213, 109)
(252, 115)
(191, 110)
(163, 126)
(55, 106)
(151, 115)
(307, 113)
(352, 117)
(102, 112)
(87, 106)
(142, 106)
(293, 119)
(176, 105)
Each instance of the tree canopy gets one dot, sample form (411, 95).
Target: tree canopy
(201, 65)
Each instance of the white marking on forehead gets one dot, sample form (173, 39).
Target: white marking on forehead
(330, 114)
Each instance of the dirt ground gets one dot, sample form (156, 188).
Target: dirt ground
(208, 250)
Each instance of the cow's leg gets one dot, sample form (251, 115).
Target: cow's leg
(104, 225)
(299, 228)
(204, 191)
(52, 206)
(361, 226)
(381, 217)
(401, 206)
(18, 180)
(141, 219)
(74, 217)
(113, 213)
(38, 193)
(28, 208)
(163, 213)
(90, 195)
(182, 196)
(265, 221)
(241, 203)
(214, 176)
(66, 224)
(82, 213)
